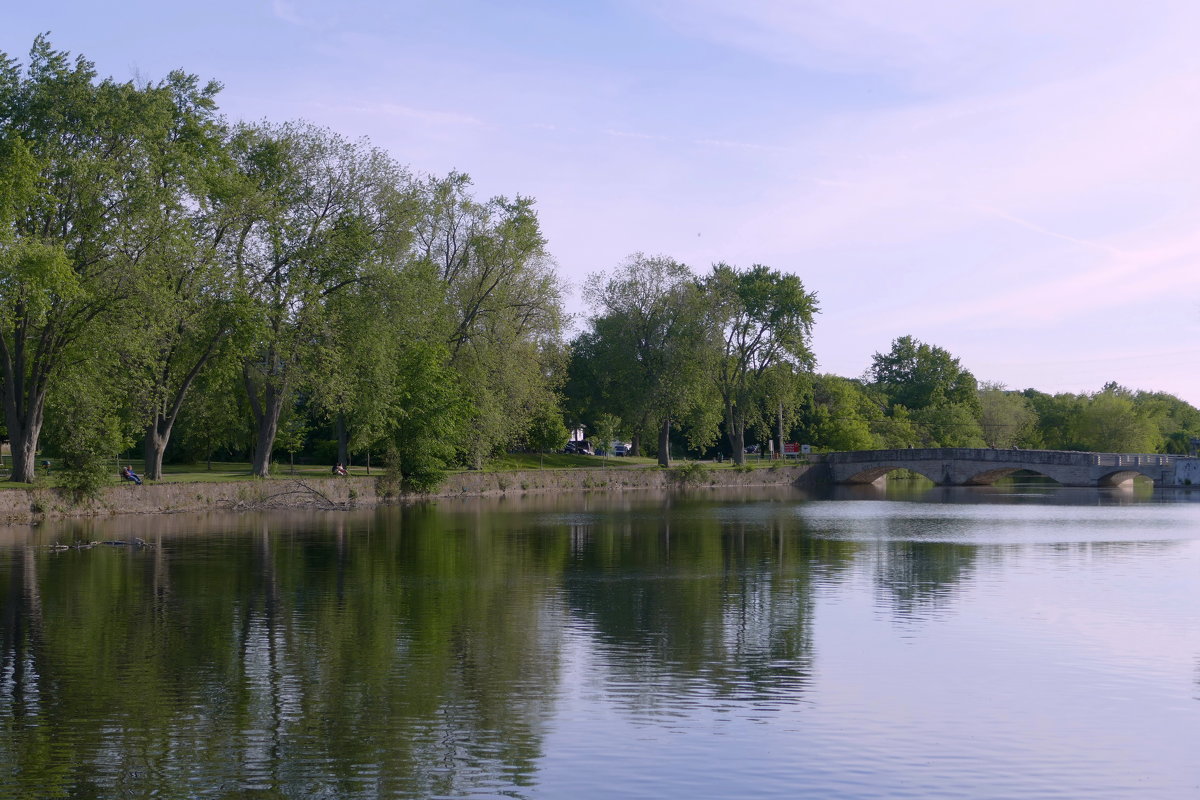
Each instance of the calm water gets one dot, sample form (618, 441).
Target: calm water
(1023, 643)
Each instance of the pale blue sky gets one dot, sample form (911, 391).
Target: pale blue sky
(1015, 182)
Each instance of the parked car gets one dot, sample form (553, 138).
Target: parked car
(621, 448)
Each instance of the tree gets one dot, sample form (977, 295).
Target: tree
(897, 430)
(1178, 421)
(764, 320)
(355, 362)
(80, 203)
(306, 237)
(189, 297)
(504, 307)
(1006, 418)
(915, 375)
(547, 431)
(837, 415)
(649, 345)
(605, 431)
(1111, 423)
(948, 424)
(1058, 418)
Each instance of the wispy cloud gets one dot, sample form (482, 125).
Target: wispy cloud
(928, 43)
(424, 115)
(286, 11)
(736, 145)
(635, 135)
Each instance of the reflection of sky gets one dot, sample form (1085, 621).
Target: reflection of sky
(1012, 181)
(1054, 667)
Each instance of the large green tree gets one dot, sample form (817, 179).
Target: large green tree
(763, 319)
(650, 346)
(915, 375)
(189, 299)
(1007, 418)
(504, 305)
(836, 414)
(82, 191)
(933, 386)
(1112, 423)
(306, 236)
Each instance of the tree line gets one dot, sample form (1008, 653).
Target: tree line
(174, 281)
(171, 278)
(729, 352)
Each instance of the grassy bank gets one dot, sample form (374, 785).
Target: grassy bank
(233, 471)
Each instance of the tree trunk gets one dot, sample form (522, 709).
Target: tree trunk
(343, 439)
(736, 434)
(24, 442)
(635, 445)
(24, 422)
(779, 432)
(664, 443)
(266, 420)
(158, 433)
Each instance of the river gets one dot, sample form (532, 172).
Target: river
(1020, 642)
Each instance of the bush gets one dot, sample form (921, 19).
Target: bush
(693, 472)
(412, 474)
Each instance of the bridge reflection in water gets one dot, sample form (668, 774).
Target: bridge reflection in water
(966, 466)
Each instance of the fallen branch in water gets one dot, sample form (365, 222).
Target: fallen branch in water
(296, 488)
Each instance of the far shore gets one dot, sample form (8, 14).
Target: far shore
(321, 491)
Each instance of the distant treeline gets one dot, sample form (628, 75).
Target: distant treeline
(728, 352)
(193, 287)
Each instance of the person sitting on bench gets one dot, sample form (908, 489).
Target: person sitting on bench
(128, 474)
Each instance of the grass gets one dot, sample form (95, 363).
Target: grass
(221, 472)
(522, 461)
(233, 471)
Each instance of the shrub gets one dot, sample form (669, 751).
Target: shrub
(693, 472)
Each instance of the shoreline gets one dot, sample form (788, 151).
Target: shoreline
(346, 493)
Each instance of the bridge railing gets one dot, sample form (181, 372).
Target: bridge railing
(1133, 460)
(1010, 456)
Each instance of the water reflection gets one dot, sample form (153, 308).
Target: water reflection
(688, 608)
(382, 653)
(509, 647)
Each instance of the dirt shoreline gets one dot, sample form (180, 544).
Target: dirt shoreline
(330, 494)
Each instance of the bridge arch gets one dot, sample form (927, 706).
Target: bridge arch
(1122, 477)
(989, 476)
(873, 474)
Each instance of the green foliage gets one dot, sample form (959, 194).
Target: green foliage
(88, 427)
(837, 414)
(692, 473)
(431, 412)
(1112, 423)
(1006, 418)
(917, 375)
(89, 181)
(547, 431)
(647, 355)
(764, 322)
(898, 430)
(605, 430)
(1057, 420)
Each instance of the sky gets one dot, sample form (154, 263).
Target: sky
(1018, 183)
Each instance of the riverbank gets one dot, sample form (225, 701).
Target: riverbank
(24, 505)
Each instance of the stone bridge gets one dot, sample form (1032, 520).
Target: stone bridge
(964, 466)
